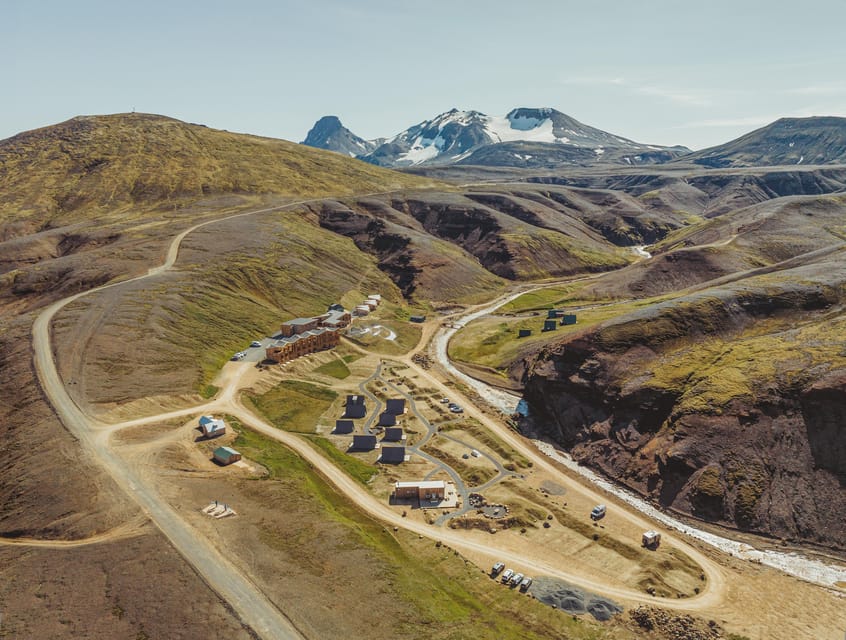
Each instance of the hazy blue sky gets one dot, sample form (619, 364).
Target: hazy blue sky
(658, 71)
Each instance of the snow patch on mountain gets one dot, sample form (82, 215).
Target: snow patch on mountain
(502, 129)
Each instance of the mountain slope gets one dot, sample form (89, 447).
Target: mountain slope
(816, 140)
(328, 133)
(725, 403)
(117, 163)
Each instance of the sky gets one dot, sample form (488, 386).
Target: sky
(657, 71)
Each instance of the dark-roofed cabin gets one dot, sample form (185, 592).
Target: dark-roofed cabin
(395, 406)
(225, 455)
(344, 426)
(387, 419)
(417, 319)
(392, 455)
(554, 313)
(363, 443)
(393, 434)
(568, 318)
(550, 325)
(524, 333)
(355, 407)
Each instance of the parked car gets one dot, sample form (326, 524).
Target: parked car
(506, 576)
(516, 579)
(444, 400)
(475, 454)
(456, 409)
(598, 512)
(255, 343)
(499, 566)
(524, 586)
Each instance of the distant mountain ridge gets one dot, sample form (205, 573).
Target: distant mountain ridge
(522, 137)
(814, 140)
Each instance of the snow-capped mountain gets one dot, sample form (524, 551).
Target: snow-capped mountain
(329, 133)
(522, 137)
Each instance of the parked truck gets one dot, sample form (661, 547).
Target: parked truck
(497, 568)
(651, 539)
(506, 576)
(598, 512)
(525, 584)
(516, 579)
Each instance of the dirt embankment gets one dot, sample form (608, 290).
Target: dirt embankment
(727, 406)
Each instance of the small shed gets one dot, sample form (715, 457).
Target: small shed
(550, 325)
(226, 455)
(344, 426)
(524, 333)
(568, 318)
(651, 539)
(395, 406)
(361, 310)
(363, 443)
(376, 296)
(418, 319)
(212, 427)
(393, 434)
(387, 419)
(392, 455)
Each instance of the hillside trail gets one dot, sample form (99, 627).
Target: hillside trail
(130, 529)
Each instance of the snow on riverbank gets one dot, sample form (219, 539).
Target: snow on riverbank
(499, 398)
(791, 563)
(641, 251)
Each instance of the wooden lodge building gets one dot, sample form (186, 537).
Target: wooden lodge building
(301, 336)
(300, 344)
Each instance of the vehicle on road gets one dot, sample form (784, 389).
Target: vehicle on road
(516, 579)
(525, 584)
(499, 566)
(598, 512)
(456, 408)
(506, 576)
(475, 453)
(239, 356)
(255, 343)
(444, 400)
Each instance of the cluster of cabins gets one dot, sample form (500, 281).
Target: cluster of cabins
(391, 447)
(370, 304)
(554, 318)
(302, 336)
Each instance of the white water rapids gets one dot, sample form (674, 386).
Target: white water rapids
(794, 564)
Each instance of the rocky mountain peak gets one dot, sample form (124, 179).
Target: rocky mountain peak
(328, 133)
